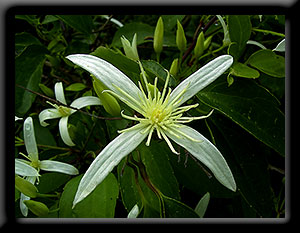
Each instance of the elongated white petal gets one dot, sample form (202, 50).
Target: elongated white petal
(23, 169)
(23, 207)
(110, 76)
(49, 113)
(109, 157)
(85, 101)
(206, 153)
(29, 139)
(56, 166)
(59, 92)
(64, 133)
(201, 78)
(134, 212)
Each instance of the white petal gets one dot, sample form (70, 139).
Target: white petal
(56, 166)
(59, 92)
(110, 76)
(63, 130)
(29, 139)
(23, 207)
(206, 153)
(280, 47)
(134, 212)
(109, 157)
(49, 113)
(202, 78)
(23, 169)
(85, 101)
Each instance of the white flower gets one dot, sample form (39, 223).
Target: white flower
(30, 168)
(65, 112)
(161, 111)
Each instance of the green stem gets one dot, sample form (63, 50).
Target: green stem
(269, 32)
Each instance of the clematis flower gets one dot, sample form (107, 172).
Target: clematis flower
(64, 112)
(162, 113)
(30, 168)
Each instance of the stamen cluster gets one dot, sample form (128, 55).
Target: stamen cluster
(159, 112)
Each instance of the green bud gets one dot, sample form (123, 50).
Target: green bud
(199, 48)
(174, 67)
(180, 37)
(158, 36)
(109, 102)
(36, 207)
(130, 49)
(25, 187)
(207, 42)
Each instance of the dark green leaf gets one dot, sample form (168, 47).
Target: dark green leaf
(28, 68)
(81, 23)
(247, 159)
(268, 62)
(177, 209)
(99, 204)
(159, 169)
(158, 70)
(141, 29)
(250, 106)
(241, 70)
(51, 181)
(239, 27)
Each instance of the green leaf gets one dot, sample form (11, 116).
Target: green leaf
(141, 29)
(158, 71)
(49, 182)
(177, 209)
(25, 39)
(250, 106)
(159, 169)
(202, 205)
(25, 187)
(241, 70)
(75, 87)
(268, 62)
(28, 70)
(239, 27)
(100, 203)
(248, 160)
(36, 207)
(81, 23)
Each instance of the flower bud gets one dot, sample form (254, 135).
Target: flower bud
(36, 207)
(199, 48)
(109, 102)
(207, 42)
(25, 187)
(174, 67)
(180, 37)
(158, 36)
(130, 49)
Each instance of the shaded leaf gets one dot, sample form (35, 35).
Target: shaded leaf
(28, 68)
(99, 204)
(268, 62)
(250, 106)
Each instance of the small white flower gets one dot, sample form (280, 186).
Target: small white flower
(30, 168)
(161, 111)
(64, 112)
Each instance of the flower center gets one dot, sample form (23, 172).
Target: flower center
(64, 111)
